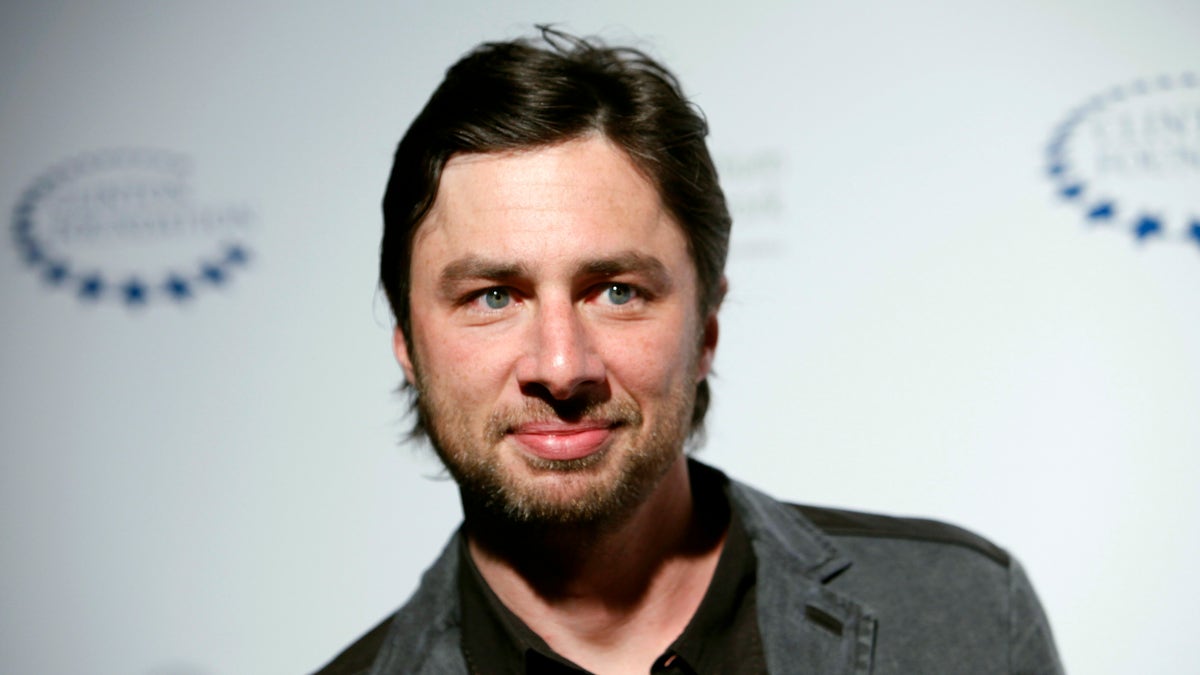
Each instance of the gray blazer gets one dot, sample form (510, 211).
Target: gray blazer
(838, 592)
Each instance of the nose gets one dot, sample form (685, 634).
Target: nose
(561, 356)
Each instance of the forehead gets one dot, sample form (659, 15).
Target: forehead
(569, 199)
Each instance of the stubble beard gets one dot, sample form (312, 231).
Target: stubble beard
(599, 491)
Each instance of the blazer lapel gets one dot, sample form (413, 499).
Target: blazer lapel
(806, 627)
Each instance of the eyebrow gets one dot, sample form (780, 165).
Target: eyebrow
(626, 262)
(475, 267)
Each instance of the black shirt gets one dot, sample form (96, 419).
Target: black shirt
(721, 637)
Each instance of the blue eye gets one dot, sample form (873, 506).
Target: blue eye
(619, 294)
(497, 298)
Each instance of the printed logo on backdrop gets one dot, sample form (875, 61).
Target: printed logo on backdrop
(1129, 159)
(123, 226)
(753, 185)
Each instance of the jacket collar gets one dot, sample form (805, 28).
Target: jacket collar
(806, 626)
(424, 637)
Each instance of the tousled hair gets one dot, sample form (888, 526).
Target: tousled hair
(524, 94)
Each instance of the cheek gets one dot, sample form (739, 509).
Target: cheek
(653, 362)
(460, 365)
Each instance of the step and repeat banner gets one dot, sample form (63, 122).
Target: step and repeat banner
(965, 284)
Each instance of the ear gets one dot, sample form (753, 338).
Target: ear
(400, 349)
(708, 339)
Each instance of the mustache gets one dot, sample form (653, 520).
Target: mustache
(612, 412)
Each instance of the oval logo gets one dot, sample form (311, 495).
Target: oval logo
(1130, 158)
(122, 225)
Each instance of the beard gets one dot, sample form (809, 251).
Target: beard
(600, 490)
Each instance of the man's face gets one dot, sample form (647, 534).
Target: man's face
(556, 340)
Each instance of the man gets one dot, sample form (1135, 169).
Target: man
(553, 252)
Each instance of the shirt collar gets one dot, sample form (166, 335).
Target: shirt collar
(722, 636)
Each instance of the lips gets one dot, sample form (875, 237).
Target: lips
(558, 441)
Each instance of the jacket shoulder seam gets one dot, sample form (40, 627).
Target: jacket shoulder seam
(842, 523)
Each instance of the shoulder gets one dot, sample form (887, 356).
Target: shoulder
(924, 581)
(421, 637)
(914, 572)
(842, 524)
(826, 539)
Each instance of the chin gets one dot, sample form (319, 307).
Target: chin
(602, 489)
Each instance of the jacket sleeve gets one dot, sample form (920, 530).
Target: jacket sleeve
(1031, 644)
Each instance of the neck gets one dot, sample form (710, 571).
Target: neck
(631, 586)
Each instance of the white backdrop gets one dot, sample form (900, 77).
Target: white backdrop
(917, 324)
